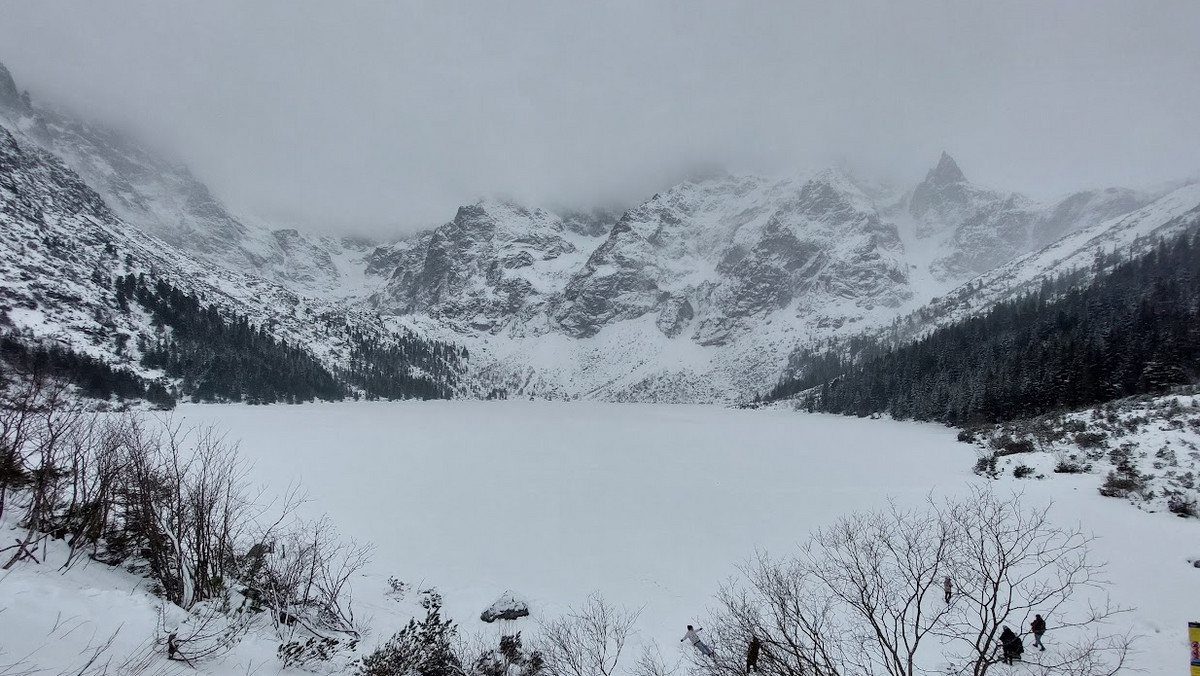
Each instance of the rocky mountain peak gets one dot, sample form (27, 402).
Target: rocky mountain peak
(946, 172)
(10, 97)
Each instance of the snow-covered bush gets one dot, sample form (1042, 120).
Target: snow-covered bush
(310, 654)
(422, 648)
(985, 465)
(511, 658)
(1181, 504)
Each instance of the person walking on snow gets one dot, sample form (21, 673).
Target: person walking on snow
(1039, 627)
(694, 638)
(752, 654)
(949, 587)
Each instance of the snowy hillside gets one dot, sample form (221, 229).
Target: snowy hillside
(1126, 236)
(1147, 449)
(163, 199)
(63, 248)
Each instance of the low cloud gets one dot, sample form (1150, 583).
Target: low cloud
(382, 117)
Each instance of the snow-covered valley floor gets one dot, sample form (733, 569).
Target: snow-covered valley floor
(653, 506)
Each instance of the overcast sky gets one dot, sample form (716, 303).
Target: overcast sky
(382, 116)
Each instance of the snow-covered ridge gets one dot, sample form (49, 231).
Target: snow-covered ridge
(700, 293)
(1127, 235)
(61, 247)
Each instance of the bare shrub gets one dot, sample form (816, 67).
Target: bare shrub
(186, 507)
(210, 630)
(651, 663)
(587, 641)
(38, 414)
(303, 577)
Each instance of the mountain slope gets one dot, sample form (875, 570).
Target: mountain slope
(975, 229)
(163, 199)
(700, 293)
(62, 249)
(1133, 328)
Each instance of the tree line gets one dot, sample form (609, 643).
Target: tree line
(1134, 329)
(92, 377)
(214, 356)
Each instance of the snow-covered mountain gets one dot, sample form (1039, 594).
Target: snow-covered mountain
(496, 266)
(62, 248)
(702, 291)
(1126, 235)
(163, 199)
(971, 230)
(699, 293)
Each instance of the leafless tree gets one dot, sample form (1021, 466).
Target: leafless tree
(883, 569)
(782, 603)
(863, 595)
(1011, 562)
(587, 641)
(37, 416)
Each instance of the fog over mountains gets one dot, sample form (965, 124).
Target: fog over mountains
(698, 293)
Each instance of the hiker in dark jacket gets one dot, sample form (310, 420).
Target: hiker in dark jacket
(1039, 627)
(1011, 644)
(752, 654)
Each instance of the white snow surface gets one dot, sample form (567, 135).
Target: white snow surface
(651, 505)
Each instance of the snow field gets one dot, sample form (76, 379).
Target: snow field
(653, 506)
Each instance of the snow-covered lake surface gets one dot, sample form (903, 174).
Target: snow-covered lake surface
(652, 506)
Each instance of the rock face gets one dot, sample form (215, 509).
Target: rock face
(9, 96)
(495, 266)
(723, 252)
(978, 229)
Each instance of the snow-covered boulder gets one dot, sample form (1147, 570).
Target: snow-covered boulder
(508, 607)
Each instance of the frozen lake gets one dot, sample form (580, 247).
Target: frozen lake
(651, 505)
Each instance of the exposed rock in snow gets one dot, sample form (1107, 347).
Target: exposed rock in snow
(507, 607)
